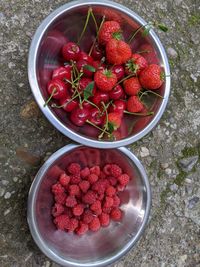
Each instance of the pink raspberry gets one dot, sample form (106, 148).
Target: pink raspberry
(57, 209)
(60, 198)
(96, 207)
(84, 186)
(57, 189)
(100, 186)
(74, 190)
(74, 168)
(106, 210)
(78, 210)
(102, 175)
(116, 201)
(64, 179)
(110, 191)
(89, 197)
(95, 170)
(72, 225)
(82, 229)
(92, 178)
(108, 203)
(75, 179)
(85, 172)
(87, 216)
(100, 197)
(68, 212)
(61, 221)
(116, 214)
(115, 170)
(106, 169)
(104, 219)
(70, 201)
(112, 180)
(94, 225)
(124, 179)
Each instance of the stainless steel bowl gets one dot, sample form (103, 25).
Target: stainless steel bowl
(108, 244)
(44, 56)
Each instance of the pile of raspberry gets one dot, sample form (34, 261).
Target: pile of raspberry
(87, 198)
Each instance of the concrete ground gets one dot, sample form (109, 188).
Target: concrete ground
(170, 153)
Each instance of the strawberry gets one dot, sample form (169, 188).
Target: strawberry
(117, 52)
(136, 64)
(132, 86)
(109, 30)
(134, 104)
(105, 80)
(114, 120)
(151, 77)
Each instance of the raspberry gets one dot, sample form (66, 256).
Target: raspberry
(108, 202)
(92, 178)
(106, 210)
(96, 207)
(78, 210)
(61, 221)
(115, 170)
(57, 188)
(57, 209)
(94, 225)
(116, 201)
(82, 229)
(100, 197)
(72, 225)
(74, 190)
(74, 168)
(123, 179)
(100, 186)
(110, 191)
(106, 169)
(120, 188)
(87, 216)
(60, 198)
(64, 179)
(75, 179)
(102, 175)
(84, 186)
(70, 201)
(112, 180)
(104, 219)
(85, 172)
(68, 212)
(95, 170)
(89, 197)
(116, 214)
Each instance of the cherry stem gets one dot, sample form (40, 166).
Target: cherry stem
(49, 99)
(139, 114)
(143, 51)
(135, 33)
(125, 78)
(95, 22)
(85, 26)
(99, 128)
(65, 104)
(91, 103)
(151, 92)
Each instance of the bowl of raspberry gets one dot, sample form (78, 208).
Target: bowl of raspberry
(89, 206)
(99, 73)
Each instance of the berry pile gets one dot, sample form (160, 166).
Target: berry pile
(87, 198)
(98, 87)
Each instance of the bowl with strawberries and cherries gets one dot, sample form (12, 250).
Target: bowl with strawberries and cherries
(101, 77)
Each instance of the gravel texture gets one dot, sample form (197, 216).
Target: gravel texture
(170, 153)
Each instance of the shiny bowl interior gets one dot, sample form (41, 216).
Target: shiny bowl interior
(93, 249)
(66, 23)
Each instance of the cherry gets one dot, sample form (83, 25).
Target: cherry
(79, 116)
(87, 105)
(119, 71)
(81, 67)
(83, 56)
(118, 106)
(83, 83)
(70, 51)
(95, 117)
(68, 104)
(97, 52)
(116, 92)
(57, 89)
(100, 97)
(62, 73)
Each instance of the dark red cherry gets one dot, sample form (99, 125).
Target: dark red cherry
(119, 71)
(100, 97)
(62, 73)
(86, 57)
(57, 89)
(68, 104)
(79, 116)
(81, 66)
(95, 117)
(70, 51)
(118, 106)
(116, 92)
(97, 52)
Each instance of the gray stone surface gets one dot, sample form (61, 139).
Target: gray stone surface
(172, 238)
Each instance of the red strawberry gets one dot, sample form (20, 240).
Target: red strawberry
(132, 86)
(109, 30)
(136, 64)
(134, 104)
(114, 119)
(117, 52)
(151, 77)
(105, 80)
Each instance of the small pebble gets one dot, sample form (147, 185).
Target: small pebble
(144, 152)
(164, 165)
(15, 179)
(2, 191)
(168, 171)
(6, 212)
(172, 52)
(5, 182)
(7, 195)
(192, 202)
